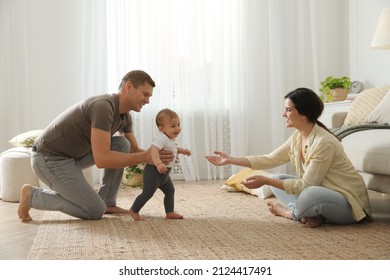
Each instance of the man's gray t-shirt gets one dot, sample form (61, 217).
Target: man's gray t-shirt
(70, 133)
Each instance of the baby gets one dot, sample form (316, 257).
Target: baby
(157, 175)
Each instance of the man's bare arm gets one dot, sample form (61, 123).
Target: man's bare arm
(106, 158)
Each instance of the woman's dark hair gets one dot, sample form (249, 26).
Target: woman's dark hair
(308, 104)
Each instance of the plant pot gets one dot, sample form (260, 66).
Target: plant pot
(339, 94)
(136, 180)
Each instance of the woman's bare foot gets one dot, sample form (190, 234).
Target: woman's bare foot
(279, 210)
(173, 215)
(115, 210)
(313, 222)
(135, 216)
(24, 203)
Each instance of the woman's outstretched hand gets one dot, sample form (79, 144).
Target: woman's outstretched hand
(219, 159)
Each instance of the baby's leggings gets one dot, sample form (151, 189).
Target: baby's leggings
(153, 180)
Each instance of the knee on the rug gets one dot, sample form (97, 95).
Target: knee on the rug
(95, 213)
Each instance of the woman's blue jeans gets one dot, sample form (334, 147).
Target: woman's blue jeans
(314, 201)
(69, 191)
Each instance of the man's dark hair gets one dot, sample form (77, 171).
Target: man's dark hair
(137, 78)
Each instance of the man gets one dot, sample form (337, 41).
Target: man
(83, 136)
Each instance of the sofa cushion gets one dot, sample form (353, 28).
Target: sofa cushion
(375, 182)
(381, 113)
(369, 150)
(364, 104)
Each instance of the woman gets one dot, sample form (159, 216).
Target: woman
(328, 188)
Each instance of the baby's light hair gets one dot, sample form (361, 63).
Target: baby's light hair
(165, 114)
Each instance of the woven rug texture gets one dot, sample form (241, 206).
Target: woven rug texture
(217, 225)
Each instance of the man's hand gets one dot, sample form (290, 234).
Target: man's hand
(165, 156)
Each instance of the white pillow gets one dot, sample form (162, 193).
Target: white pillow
(25, 139)
(262, 192)
(381, 113)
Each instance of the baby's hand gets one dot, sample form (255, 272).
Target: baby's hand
(162, 168)
(186, 152)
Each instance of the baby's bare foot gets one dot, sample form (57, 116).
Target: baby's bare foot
(135, 216)
(24, 203)
(173, 215)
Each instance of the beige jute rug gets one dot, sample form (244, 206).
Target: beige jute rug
(217, 225)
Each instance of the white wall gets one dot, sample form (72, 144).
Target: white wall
(55, 59)
(333, 60)
(370, 66)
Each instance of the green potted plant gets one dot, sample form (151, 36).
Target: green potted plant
(335, 89)
(133, 176)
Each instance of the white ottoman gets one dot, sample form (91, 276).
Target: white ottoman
(15, 171)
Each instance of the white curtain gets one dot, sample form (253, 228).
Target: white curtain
(223, 65)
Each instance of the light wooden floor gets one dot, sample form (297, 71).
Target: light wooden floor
(16, 238)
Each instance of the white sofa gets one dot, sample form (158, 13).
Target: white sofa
(365, 133)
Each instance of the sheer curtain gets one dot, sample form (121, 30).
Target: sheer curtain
(193, 51)
(223, 65)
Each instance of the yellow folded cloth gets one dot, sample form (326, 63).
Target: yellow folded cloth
(235, 182)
